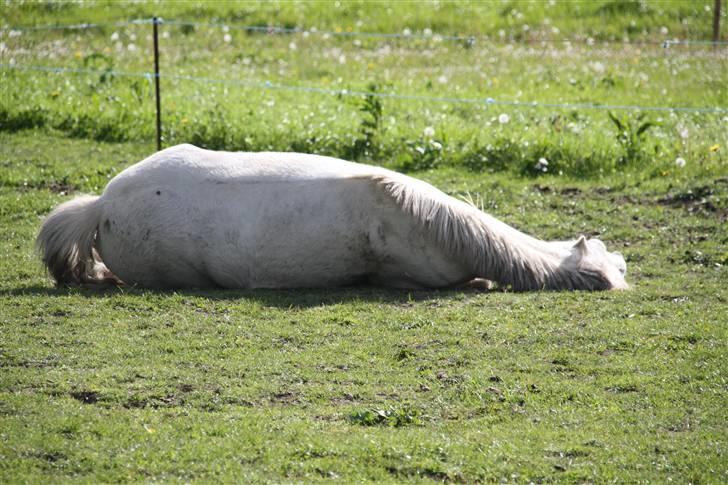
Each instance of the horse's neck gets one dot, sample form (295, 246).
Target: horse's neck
(513, 258)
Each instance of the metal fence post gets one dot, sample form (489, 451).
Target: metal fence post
(716, 23)
(155, 22)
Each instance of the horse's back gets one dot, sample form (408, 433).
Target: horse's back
(192, 217)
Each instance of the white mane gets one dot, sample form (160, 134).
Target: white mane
(500, 252)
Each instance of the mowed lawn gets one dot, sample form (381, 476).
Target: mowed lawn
(366, 383)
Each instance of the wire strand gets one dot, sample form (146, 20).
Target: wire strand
(271, 29)
(355, 93)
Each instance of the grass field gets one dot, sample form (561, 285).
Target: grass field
(364, 384)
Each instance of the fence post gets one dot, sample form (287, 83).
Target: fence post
(716, 23)
(155, 22)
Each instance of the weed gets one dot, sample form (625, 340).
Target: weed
(365, 145)
(631, 134)
(395, 417)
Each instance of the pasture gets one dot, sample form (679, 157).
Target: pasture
(361, 383)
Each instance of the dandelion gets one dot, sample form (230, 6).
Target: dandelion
(436, 145)
(442, 79)
(680, 162)
(714, 148)
(292, 46)
(429, 132)
(503, 118)
(542, 165)
(684, 133)
(131, 47)
(227, 38)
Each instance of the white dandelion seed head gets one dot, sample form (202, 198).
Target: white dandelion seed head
(503, 118)
(227, 38)
(542, 165)
(428, 131)
(680, 162)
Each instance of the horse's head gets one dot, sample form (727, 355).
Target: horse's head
(600, 268)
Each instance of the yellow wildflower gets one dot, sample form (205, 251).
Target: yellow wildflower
(714, 148)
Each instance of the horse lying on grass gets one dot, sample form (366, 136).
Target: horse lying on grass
(192, 218)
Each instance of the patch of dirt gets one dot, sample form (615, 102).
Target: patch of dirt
(347, 398)
(285, 397)
(86, 397)
(568, 191)
(700, 200)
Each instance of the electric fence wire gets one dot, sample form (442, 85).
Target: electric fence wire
(346, 92)
(468, 39)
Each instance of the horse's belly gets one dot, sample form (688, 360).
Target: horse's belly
(259, 235)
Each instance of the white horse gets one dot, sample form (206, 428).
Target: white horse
(188, 217)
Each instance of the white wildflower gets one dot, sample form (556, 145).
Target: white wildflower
(597, 66)
(680, 162)
(407, 32)
(131, 47)
(292, 46)
(429, 132)
(503, 118)
(225, 28)
(542, 165)
(436, 145)
(427, 31)
(227, 38)
(442, 79)
(114, 36)
(663, 30)
(342, 59)
(165, 34)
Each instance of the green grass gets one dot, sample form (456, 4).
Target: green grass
(371, 384)
(251, 116)
(366, 384)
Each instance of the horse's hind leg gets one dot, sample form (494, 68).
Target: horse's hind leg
(101, 276)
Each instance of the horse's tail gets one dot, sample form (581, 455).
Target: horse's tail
(66, 241)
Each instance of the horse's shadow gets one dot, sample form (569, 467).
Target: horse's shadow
(280, 298)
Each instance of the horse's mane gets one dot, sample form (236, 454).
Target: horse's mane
(497, 251)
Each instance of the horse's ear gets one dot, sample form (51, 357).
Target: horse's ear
(580, 247)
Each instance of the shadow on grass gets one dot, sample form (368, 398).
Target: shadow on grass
(285, 298)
